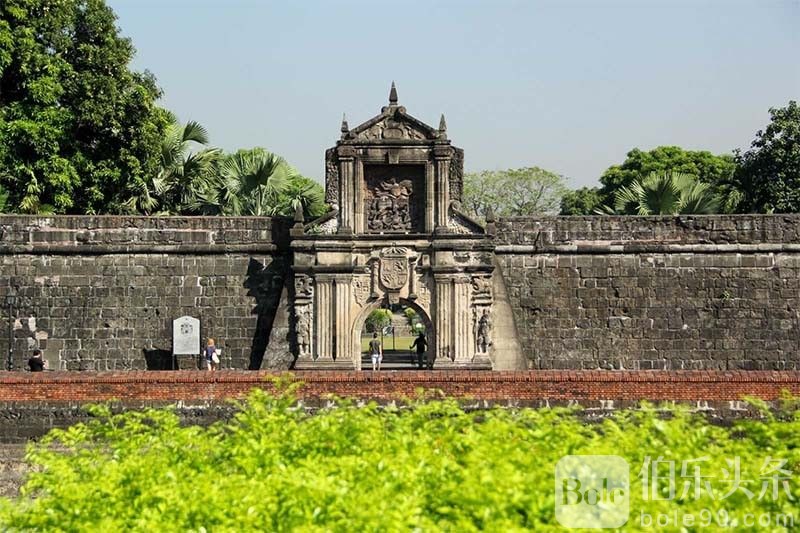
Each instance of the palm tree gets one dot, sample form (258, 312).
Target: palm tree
(259, 183)
(184, 174)
(666, 193)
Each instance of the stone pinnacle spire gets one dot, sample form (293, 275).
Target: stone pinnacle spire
(442, 124)
(393, 95)
(345, 127)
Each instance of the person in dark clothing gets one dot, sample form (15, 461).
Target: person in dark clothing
(421, 344)
(36, 363)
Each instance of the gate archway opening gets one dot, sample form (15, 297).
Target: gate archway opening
(396, 326)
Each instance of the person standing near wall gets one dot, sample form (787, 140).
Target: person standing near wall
(36, 363)
(212, 358)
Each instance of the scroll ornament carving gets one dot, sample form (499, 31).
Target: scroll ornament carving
(389, 206)
(303, 286)
(456, 178)
(392, 129)
(331, 178)
(482, 286)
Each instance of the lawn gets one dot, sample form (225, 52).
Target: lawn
(400, 343)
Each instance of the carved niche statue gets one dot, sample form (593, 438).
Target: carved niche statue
(304, 330)
(484, 332)
(389, 208)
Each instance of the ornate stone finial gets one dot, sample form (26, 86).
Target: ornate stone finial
(345, 127)
(442, 128)
(298, 214)
(489, 214)
(393, 95)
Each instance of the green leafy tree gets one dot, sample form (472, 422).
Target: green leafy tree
(79, 131)
(716, 170)
(769, 172)
(523, 191)
(377, 320)
(583, 201)
(666, 193)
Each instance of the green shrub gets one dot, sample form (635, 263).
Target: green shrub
(423, 467)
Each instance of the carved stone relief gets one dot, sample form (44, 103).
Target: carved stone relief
(361, 290)
(483, 332)
(392, 129)
(394, 268)
(456, 179)
(389, 206)
(331, 177)
(303, 286)
(304, 330)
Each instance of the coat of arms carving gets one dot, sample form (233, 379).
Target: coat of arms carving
(394, 268)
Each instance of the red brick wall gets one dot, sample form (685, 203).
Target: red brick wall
(523, 387)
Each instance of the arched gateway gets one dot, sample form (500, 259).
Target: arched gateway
(395, 235)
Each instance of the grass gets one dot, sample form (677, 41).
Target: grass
(400, 343)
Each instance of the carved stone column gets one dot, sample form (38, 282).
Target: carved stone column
(359, 224)
(430, 197)
(462, 334)
(442, 156)
(443, 311)
(323, 313)
(341, 335)
(346, 176)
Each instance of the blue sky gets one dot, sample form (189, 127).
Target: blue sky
(567, 86)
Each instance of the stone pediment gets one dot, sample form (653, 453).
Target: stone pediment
(393, 124)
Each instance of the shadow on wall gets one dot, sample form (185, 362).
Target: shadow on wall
(158, 359)
(264, 283)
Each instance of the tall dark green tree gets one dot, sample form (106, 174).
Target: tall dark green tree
(79, 131)
(715, 170)
(769, 172)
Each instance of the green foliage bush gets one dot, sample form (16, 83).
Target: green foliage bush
(423, 467)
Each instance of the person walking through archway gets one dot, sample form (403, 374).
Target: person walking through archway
(421, 344)
(375, 352)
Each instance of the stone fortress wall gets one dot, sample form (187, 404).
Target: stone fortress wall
(655, 293)
(100, 292)
(640, 293)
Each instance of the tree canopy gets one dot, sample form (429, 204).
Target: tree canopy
(79, 130)
(666, 193)
(522, 191)
(769, 172)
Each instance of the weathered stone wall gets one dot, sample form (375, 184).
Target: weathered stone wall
(692, 292)
(100, 293)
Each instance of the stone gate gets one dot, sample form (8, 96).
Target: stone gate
(395, 235)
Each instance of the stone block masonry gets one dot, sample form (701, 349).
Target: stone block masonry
(100, 293)
(663, 293)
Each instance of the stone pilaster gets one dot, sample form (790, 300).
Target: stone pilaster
(443, 311)
(430, 197)
(442, 157)
(462, 334)
(359, 224)
(341, 334)
(323, 313)
(346, 176)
